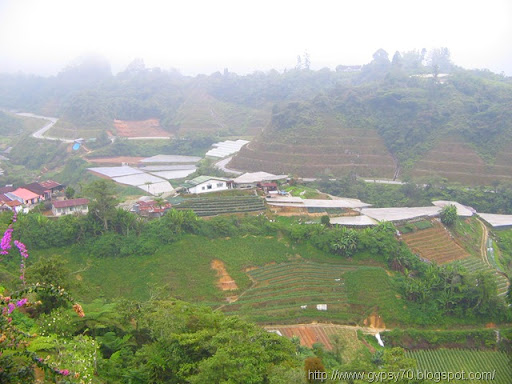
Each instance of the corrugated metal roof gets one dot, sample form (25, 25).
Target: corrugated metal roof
(171, 159)
(138, 179)
(116, 171)
(70, 203)
(497, 220)
(201, 179)
(226, 148)
(399, 214)
(257, 177)
(361, 220)
(157, 188)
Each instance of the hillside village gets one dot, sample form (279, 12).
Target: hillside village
(319, 214)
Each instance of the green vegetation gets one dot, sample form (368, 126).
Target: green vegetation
(411, 194)
(132, 273)
(504, 241)
(223, 205)
(449, 215)
(385, 120)
(280, 292)
(483, 366)
(413, 339)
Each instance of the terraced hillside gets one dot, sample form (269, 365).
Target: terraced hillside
(327, 147)
(325, 334)
(473, 264)
(435, 244)
(290, 293)
(221, 205)
(454, 159)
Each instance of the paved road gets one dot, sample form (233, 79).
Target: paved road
(222, 166)
(39, 134)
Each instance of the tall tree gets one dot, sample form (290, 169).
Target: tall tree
(102, 201)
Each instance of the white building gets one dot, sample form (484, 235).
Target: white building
(69, 207)
(204, 184)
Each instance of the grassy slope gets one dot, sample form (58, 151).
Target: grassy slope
(183, 269)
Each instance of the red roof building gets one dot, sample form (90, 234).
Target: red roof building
(69, 207)
(24, 196)
(151, 208)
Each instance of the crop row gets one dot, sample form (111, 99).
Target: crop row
(293, 270)
(435, 244)
(215, 204)
(299, 297)
(471, 361)
(299, 266)
(474, 264)
(221, 199)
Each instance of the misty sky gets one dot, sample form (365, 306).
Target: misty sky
(43, 36)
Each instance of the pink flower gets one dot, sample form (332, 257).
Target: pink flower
(21, 247)
(64, 372)
(11, 308)
(5, 244)
(21, 302)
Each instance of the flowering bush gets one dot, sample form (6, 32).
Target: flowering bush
(17, 359)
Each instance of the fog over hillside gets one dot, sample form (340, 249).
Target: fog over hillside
(203, 37)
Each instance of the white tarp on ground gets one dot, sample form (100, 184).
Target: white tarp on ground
(399, 214)
(171, 175)
(157, 188)
(226, 148)
(171, 159)
(116, 171)
(315, 203)
(361, 220)
(496, 220)
(462, 210)
(138, 179)
(257, 177)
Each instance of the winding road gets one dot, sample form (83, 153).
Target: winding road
(483, 242)
(39, 134)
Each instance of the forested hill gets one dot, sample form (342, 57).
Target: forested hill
(412, 116)
(457, 126)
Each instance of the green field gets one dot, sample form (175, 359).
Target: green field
(472, 362)
(279, 291)
(302, 274)
(183, 267)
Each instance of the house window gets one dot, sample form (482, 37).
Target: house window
(209, 186)
(220, 185)
(203, 188)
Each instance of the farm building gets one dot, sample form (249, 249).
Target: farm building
(51, 186)
(269, 187)
(297, 202)
(252, 179)
(45, 188)
(401, 215)
(462, 210)
(497, 221)
(151, 208)
(204, 184)
(24, 196)
(135, 177)
(70, 207)
(360, 221)
(170, 159)
(226, 148)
